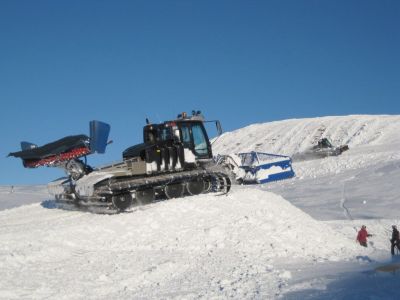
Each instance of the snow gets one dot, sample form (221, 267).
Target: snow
(296, 135)
(293, 239)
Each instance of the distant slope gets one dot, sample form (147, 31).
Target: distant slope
(296, 135)
(14, 196)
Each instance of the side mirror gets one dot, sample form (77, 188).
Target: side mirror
(219, 127)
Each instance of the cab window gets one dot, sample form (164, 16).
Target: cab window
(199, 139)
(185, 135)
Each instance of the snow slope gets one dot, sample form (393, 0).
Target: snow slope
(292, 239)
(296, 135)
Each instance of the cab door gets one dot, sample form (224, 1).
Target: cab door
(194, 137)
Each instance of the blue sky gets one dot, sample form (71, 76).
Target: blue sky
(64, 63)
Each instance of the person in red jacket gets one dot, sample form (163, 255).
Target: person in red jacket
(362, 236)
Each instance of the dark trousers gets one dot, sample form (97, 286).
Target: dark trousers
(395, 243)
(363, 243)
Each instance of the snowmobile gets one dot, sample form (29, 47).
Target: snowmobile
(174, 160)
(323, 148)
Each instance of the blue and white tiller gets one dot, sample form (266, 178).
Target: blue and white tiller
(258, 167)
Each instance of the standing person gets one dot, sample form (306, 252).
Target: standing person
(395, 240)
(362, 236)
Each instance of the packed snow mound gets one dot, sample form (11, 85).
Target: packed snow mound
(221, 245)
(297, 135)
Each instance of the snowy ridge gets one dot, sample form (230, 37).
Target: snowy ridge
(296, 135)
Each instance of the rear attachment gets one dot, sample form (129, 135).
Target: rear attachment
(258, 167)
(57, 153)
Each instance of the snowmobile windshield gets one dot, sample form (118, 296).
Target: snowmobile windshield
(325, 143)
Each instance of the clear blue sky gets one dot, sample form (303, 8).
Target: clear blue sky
(64, 63)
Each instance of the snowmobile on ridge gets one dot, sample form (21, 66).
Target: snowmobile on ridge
(323, 148)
